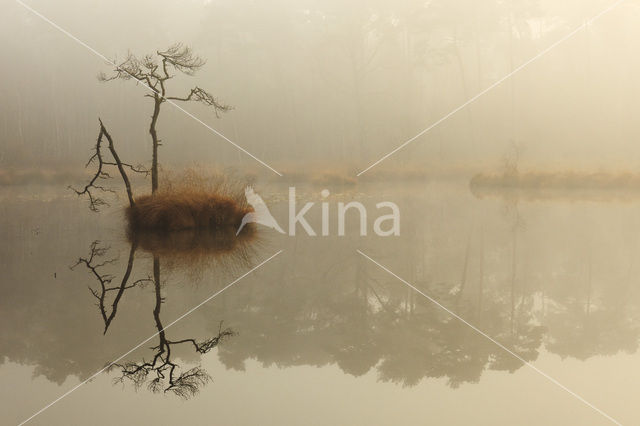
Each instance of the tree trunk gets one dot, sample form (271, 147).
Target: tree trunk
(156, 143)
(125, 178)
(121, 289)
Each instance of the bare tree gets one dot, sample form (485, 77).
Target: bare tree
(94, 264)
(161, 373)
(95, 202)
(154, 71)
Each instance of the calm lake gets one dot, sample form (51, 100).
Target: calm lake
(320, 334)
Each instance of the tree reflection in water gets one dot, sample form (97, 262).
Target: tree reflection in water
(321, 305)
(162, 373)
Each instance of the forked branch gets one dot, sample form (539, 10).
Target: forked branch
(93, 186)
(94, 265)
(198, 94)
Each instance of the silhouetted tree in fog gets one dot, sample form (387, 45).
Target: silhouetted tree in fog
(161, 373)
(95, 183)
(154, 71)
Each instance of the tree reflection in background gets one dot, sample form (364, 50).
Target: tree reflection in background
(566, 287)
(161, 373)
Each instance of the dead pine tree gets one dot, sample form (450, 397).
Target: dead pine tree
(94, 185)
(154, 71)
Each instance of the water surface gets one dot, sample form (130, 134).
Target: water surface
(321, 335)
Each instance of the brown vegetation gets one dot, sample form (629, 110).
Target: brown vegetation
(346, 176)
(191, 199)
(192, 242)
(198, 179)
(539, 185)
(196, 250)
(175, 211)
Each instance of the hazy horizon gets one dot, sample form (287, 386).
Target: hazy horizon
(331, 81)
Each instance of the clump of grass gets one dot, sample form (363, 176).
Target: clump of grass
(191, 200)
(185, 210)
(200, 179)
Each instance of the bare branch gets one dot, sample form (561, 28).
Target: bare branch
(118, 163)
(198, 94)
(105, 280)
(95, 202)
(182, 58)
(188, 384)
(154, 71)
(206, 345)
(132, 67)
(161, 374)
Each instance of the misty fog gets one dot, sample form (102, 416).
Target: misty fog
(353, 211)
(331, 81)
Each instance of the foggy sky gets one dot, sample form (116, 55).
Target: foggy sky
(330, 82)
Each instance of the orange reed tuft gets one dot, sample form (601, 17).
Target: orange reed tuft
(175, 211)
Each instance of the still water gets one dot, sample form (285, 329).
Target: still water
(319, 335)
